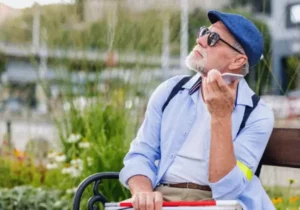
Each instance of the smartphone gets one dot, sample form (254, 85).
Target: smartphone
(229, 77)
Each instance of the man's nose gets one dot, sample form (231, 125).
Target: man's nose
(202, 41)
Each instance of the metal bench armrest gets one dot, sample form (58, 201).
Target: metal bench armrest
(97, 196)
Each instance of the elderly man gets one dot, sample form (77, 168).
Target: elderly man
(203, 138)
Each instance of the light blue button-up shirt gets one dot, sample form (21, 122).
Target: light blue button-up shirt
(162, 134)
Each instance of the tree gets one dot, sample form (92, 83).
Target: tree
(80, 9)
(237, 3)
(262, 6)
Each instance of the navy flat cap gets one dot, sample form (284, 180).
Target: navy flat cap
(244, 31)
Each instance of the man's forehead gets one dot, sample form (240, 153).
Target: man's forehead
(220, 27)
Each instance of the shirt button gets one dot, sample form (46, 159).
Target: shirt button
(172, 156)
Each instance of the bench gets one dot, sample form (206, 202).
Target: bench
(283, 150)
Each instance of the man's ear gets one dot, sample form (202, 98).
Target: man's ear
(238, 62)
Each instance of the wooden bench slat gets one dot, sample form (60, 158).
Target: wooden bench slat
(283, 148)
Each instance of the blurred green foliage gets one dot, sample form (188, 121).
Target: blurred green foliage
(292, 70)
(30, 198)
(18, 169)
(95, 138)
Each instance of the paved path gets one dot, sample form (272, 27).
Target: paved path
(23, 131)
(272, 176)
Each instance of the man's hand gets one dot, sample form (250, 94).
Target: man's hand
(220, 99)
(143, 197)
(218, 96)
(147, 201)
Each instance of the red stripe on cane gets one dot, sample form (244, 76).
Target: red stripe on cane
(179, 203)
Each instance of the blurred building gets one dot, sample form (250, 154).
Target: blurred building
(7, 12)
(97, 9)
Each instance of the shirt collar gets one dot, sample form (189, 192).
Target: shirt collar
(192, 82)
(244, 92)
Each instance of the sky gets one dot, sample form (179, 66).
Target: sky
(19, 4)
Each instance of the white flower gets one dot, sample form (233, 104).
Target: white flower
(57, 203)
(75, 169)
(67, 170)
(71, 191)
(73, 138)
(128, 104)
(72, 171)
(89, 161)
(84, 145)
(50, 166)
(75, 172)
(77, 163)
(60, 158)
(52, 155)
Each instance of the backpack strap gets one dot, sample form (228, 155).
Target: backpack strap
(248, 110)
(257, 172)
(175, 90)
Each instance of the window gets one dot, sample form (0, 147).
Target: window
(293, 15)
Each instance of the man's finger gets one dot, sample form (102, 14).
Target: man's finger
(142, 201)
(213, 76)
(158, 201)
(210, 79)
(215, 86)
(135, 202)
(210, 89)
(149, 201)
(206, 86)
(205, 91)
(222, 84)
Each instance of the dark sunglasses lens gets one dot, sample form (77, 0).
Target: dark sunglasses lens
(213, 38)
(203, 31)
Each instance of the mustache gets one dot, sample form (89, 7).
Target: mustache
(200, 50)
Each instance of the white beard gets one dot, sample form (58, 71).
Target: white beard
(195, 63)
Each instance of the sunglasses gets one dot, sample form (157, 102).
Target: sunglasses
(214, 37)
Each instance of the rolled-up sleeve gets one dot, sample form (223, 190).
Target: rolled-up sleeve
(249, 146)
(145, 148)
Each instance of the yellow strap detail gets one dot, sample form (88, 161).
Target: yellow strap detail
(248, 173)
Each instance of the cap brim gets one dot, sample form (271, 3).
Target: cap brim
(214, 16)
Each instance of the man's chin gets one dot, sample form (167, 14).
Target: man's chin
(197, 70)
(192, 66)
